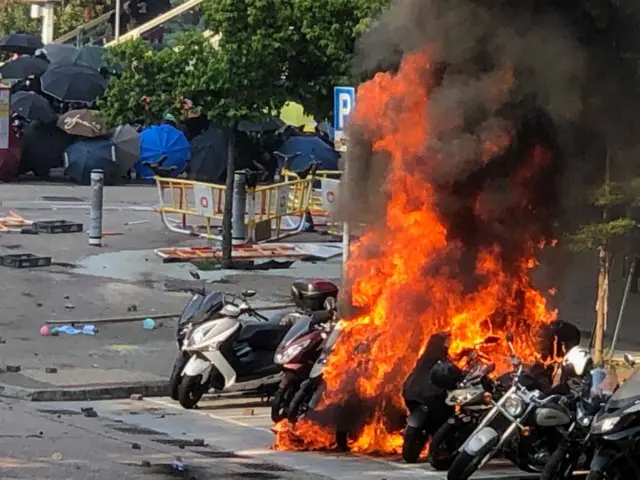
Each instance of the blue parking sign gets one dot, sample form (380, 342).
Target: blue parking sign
(344, 101)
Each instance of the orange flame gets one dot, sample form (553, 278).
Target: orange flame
(397, 277)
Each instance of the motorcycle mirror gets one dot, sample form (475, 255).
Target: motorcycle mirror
(249, 293)
(629, 359)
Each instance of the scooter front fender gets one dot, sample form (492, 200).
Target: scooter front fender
(197, 366)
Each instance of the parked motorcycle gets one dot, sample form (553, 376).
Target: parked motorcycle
(197, 309)
(298, 352)
(428, 413)
(310, 391)
(577, 443)
(471, 400)
(616, 432)
(523, 424)
(228, 353)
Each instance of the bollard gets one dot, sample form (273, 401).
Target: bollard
(239, 207)
(95, 228)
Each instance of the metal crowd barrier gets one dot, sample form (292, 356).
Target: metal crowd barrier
(323, 199)
(196, 208)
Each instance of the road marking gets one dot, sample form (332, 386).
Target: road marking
(208, 414)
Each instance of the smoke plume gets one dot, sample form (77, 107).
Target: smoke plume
(508, 74)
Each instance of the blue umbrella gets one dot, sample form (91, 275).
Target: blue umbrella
(160, 141)
(311, 148)
(89, 154)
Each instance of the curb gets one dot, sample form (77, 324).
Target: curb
(95, 392)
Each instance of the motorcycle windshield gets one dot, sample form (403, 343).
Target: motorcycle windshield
(190, 310)
(300, 328)
(628, 393)
(211, 304)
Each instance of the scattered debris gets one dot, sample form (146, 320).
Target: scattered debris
(178, 465)
(69, 306)
(136, 446)
(2, 340)
(136, 396)
(71, 330)
(38, 304)
(45, 331)
(198, 442)
(51, 370)
(86, 409)
(26, 294)
(136, 222)
(194, 274)
(135, 318)
(132, 308)
(57, 456)
(13, 368)
(57, 226)
(249, 412)
(24, 260)
(91, 414)
(145, 463)
(148, 324)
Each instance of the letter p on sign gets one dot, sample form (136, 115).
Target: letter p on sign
(344, 99)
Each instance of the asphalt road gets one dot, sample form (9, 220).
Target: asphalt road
(241, 426)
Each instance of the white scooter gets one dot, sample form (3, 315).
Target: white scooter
(227, 353)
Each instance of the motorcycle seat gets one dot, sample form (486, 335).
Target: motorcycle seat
(263, 336)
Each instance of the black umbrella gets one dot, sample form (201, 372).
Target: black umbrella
(93, 56)
(58, 53)
(91, 154)
(73, 83)
(23, 67)
(268, 125)
(209, 155)
(20, 43)
(31, 106)
(43, 147)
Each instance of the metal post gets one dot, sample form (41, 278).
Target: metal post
(625, 297)
(95, 229)
(48, 21)
(116, 34)
(239, 207)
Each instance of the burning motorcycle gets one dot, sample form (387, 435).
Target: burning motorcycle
(616, 432)
(523, 424)
(308, 395)
(471, 399)
(429, 404)
(577, 441)
(298, 352)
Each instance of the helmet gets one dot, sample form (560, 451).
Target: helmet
(446, 375)
(578, 361)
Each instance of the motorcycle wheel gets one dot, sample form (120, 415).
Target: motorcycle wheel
(300, 403)
(465, 464)
(176, 371)
(445, 444)
(560, 466)
(414, 440)
(190, 391)
(280, 403)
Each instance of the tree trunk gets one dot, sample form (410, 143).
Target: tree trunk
(601, 304)
(227, 260)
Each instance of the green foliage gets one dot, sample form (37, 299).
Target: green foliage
(608, 195)
(165, 78)
(15, 18)
(322, 44)
(594, 235)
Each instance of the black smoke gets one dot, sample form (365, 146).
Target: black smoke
(574, 91)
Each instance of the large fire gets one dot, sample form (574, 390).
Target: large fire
(411, 277)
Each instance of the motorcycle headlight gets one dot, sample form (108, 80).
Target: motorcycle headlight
(608, 424)
(513, 405)
(289, 353)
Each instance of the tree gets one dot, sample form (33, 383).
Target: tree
(600, 235)
(322, 42)
(15, 17)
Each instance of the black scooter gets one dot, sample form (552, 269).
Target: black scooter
(616, 432)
